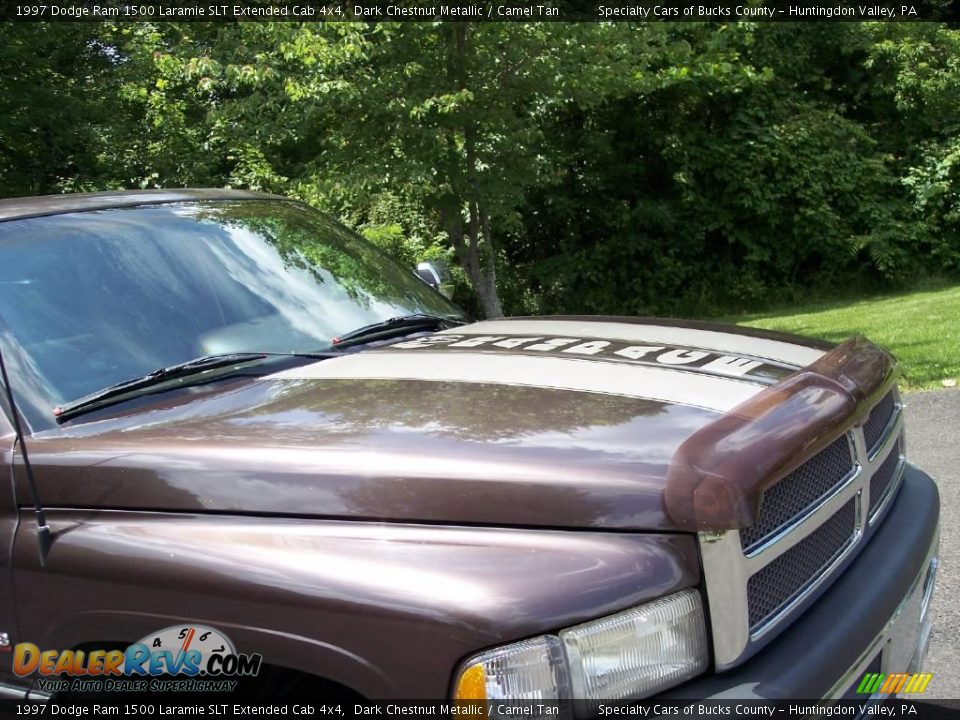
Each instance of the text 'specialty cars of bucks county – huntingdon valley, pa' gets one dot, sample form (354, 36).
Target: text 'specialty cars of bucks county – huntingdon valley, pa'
(239, 413)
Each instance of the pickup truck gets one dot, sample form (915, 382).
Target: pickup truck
(243, 443)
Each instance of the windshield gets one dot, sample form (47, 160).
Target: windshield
(90, 299)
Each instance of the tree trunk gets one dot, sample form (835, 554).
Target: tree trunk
(466, 238)
(489, 297)
(471, 237)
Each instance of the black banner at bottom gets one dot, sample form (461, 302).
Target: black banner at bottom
(220, 707)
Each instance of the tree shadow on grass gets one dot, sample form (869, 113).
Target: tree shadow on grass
(834, 304)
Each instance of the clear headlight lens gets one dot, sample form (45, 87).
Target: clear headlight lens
(632, 654)
(638, 652)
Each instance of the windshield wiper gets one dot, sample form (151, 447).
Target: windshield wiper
(130, 388)
(392, 327)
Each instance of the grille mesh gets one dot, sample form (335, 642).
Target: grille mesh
(883, 476)
(877, 421)
(799, 490)
(775, 585)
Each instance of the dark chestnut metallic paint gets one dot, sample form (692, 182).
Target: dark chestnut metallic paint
(8, 527)
(396, 450)
(718, 475)
(251, 506)
(388, 610)
(863, 369)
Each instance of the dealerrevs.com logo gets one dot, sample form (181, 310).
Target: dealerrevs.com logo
(180, 658)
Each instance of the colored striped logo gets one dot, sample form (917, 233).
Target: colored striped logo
(894, 683)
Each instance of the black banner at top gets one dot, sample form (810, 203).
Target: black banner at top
(478, 10)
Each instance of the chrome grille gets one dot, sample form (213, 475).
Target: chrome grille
(883, 477)
(782, 580)
(758, 579)
(877, 421)
(800, 491)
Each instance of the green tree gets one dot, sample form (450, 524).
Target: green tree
(660, 168)
(448, 115)
(768, 161)
(56, 115)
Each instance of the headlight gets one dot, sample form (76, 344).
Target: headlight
(529, 670)
(638, 652)
(632, 654)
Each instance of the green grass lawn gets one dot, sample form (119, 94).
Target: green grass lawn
(921, 328)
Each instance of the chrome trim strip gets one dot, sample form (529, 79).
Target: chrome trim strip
(726, 569)
(856, 670)
(726, 572)
(891, 488)
(889, 430)
(807, 590)
(930, 583)
(12, 692)
(17, 692)
(892, 432)
(877, 457)
(799, 531)
(794, 524)
(725, 582)
(37, 696)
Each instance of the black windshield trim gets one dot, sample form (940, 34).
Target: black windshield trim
(392, 327)
(198, 369)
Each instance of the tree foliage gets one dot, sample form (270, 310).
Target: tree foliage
(611, 168)
(55, 114)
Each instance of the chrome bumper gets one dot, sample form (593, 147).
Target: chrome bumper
(873, 612)
(902, 645)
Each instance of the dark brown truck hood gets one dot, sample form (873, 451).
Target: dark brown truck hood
(568, 422)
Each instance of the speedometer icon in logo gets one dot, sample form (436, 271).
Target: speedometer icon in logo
(199, 643)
